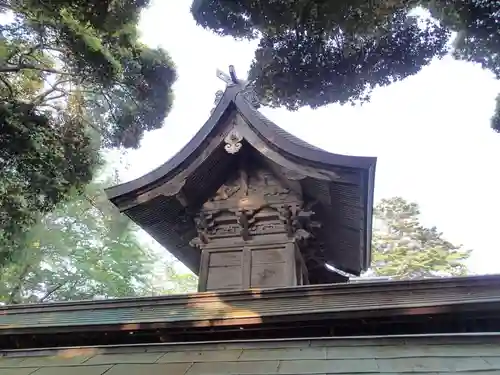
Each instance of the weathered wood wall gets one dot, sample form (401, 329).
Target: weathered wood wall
(462, 355)
(258, 266)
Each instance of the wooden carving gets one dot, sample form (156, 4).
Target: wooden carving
(248, 186)
(201, 228)
(253, 203)
(253, 233)
(298, 222)
(225, 192)
(263, 182)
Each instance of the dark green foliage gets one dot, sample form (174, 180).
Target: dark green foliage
(73, 78)
(324, 72)
(403, 248)
(313, 52)
(41, 165)
(478, 24)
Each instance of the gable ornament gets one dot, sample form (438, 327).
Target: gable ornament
(233, 142)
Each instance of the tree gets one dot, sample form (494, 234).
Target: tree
(174, 282)
(73, 78)
(84, 249)
(403, 248)
(313, 52)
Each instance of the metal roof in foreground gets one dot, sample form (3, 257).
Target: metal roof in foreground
(445, 305)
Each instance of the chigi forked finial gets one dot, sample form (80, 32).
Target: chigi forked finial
(245, 88)
(231, 78)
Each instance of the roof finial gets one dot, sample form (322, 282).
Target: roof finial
(245, 87)
(231, 78)
(232, 74)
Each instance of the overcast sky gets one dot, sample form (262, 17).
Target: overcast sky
(430, 132)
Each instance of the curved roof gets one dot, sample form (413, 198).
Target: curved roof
(233, 98)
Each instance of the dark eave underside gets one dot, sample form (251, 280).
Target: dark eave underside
(468, 304)
(166, 220)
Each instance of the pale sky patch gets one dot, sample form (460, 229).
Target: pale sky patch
(430, 132)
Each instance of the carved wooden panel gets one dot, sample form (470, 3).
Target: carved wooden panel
(250, 188)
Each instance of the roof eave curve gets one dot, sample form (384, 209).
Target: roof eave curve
(174, 162)
(312, 154)
(233, 98)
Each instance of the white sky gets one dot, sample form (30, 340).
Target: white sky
(430, 132)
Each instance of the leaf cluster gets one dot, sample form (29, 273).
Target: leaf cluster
(403, 248)
(41, 166)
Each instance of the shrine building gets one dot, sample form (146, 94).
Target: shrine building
(278, 232)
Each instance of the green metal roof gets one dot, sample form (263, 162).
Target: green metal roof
(253, 306)
(458, 355)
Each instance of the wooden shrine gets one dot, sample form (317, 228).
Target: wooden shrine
(274, 227)
(247, 205)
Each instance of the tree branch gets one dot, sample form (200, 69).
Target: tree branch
(29, 52)
(50, 106)
(18, 68)
(129, 94)
(52, 291)
(56, 96)
(54, 88)
(110, 106)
